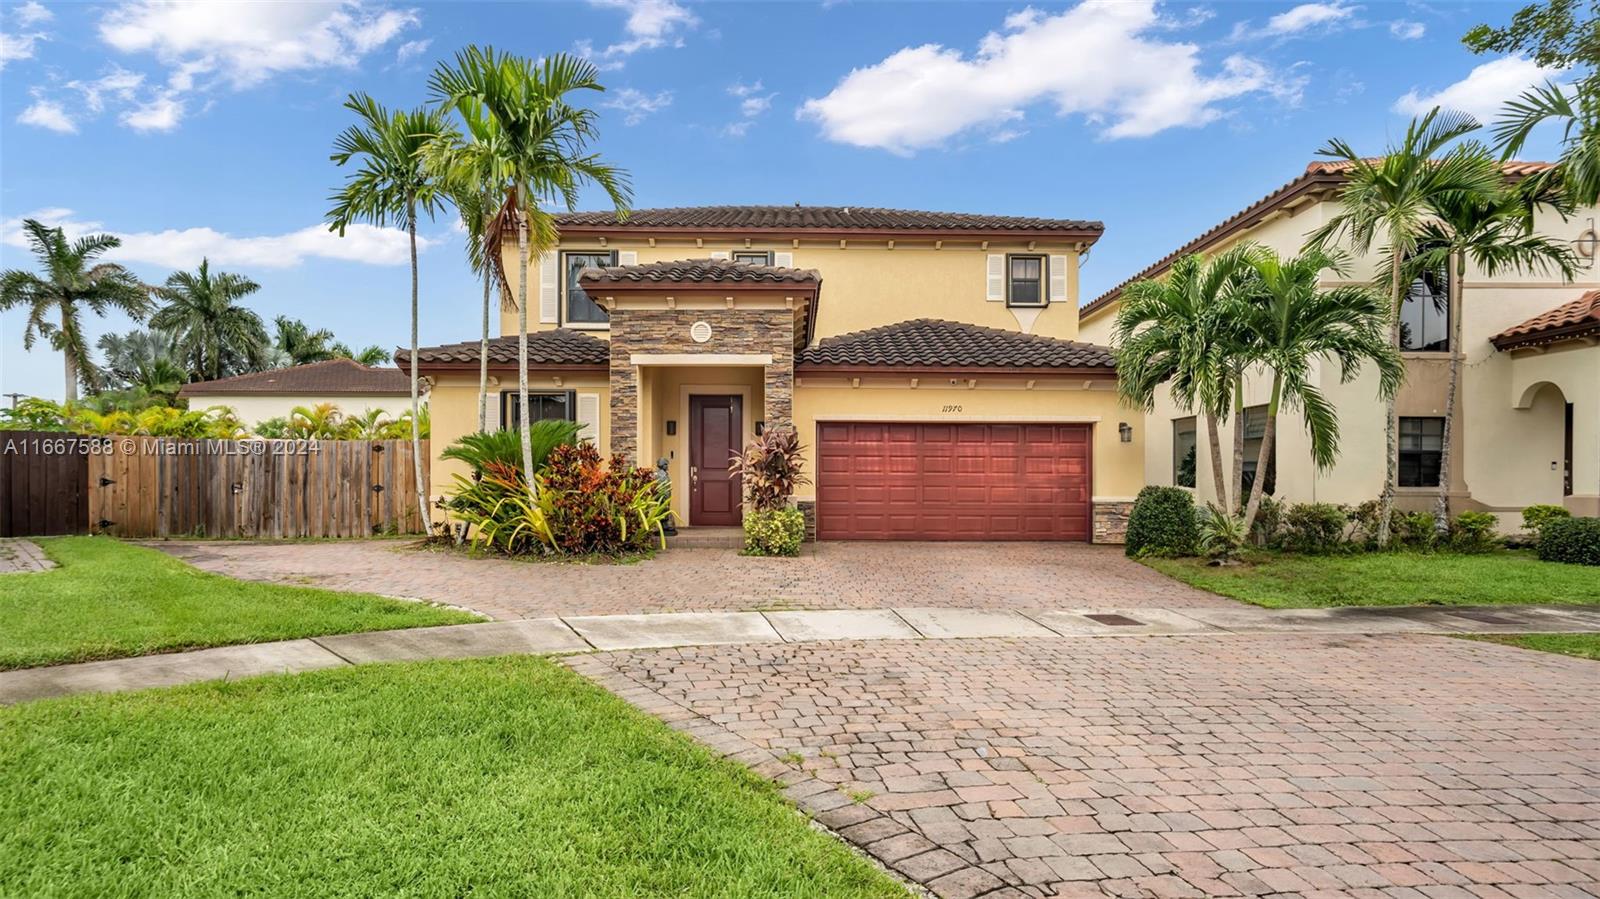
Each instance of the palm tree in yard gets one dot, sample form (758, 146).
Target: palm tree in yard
(1290, 324)
(1494, 232)
(540, 157)
(217, 334)
(368, 355)
(1577, 170)
(1390, 198)
(1175, 331)
(299, 343)
(392, 184)
(72, 283)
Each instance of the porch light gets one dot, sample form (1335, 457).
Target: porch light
(760, 426)
(1125, 431)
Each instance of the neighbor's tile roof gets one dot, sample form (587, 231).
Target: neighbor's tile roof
(934, 343)
(1579, 318)
(819, 218)
(687, 271)
(335, 376)
(561, 347)
(1318, 176)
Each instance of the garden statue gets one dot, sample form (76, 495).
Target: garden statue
(664, 484)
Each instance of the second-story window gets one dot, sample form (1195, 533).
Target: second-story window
(580, 309)
(752, 257)
(1425, 314)
(1025, 280)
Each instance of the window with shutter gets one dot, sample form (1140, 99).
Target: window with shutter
(752, 257)
(580, 309)
(542, 404)
(996, 291)
(1025, 281)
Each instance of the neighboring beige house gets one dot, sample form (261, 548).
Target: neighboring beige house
(258, 396)
(930, 362)
(1528, 409)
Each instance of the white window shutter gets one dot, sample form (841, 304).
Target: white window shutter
(549, 288)
(588, 415)
(627, 257)
(997, 278)
(719, 254)
(783, 260)
(1058, 279)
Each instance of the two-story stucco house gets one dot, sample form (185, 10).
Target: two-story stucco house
(930, 362)
(1528, 406)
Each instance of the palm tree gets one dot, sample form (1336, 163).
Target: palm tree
(392, 184)
(216, 333)
(299, 343)
(1291, 323)
(1577, 171)
(72, 283)
(539, 158)
(147, 362)
(1176, 330)
(1393, 196)
(1495, 233)
(368, 355)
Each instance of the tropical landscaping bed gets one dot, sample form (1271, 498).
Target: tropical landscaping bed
(109, 599)
(508, 776)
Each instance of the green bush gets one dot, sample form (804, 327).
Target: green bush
(1411, 530)
(1222, 536)
(1574, 540)
(1269, 521)
(1534, 518)
(1474, 532)
(1162, 523)
(774, 532)
(1315, 528)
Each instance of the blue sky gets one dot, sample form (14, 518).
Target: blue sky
(194, 129)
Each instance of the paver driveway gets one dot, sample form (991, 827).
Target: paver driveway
(827, 576)
(1185, 766)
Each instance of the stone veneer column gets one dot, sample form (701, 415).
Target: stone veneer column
(624, 391)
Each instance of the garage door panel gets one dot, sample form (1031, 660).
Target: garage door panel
(905, 481)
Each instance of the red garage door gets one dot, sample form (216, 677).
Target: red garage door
(952, 481)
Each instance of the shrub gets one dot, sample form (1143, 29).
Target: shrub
(1269, 521)
(1534, 518)
(590, 507)
(1315, 528)
(1222, 536)
(774, 532)
(1411, 530)
(1573, 540)
(1162, 523)
(1364, 523)
(1474, 532)
(770, 469)
(505, 447)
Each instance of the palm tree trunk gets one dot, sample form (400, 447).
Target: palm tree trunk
(1441, 506)
(1268, 436)
(1391, 424)
(1217, 479)
(522, 350)
(1238, 445)
(483, 354)
(71, 372)
(416, 412)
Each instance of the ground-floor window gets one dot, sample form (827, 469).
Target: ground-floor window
(1421, 449)
(1255, 430)
(560, 405)
(1183, 451)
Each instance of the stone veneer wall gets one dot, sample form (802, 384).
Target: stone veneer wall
(1111, 522)
(667, 331)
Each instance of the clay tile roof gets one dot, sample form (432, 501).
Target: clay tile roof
(1318, 176)
(817, 218)
(934, 343)
(333, 377)
(705, 271)
(1579, 318)
(561, 347)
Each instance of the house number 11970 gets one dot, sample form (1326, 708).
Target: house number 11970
(951, 409)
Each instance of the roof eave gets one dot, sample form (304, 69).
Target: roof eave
(1577, 331)
(848, 368)
(1086, 236)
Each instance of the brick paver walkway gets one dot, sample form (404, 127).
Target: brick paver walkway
(1169, 766)
(827, 576)
(18, 556)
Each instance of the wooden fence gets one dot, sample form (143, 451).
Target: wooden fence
(163, 487)
(44, 483)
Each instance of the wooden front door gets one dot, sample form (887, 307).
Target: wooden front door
(716, 426)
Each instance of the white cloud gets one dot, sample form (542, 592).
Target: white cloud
(247, 42)
(175, 248)
(119, 84)
(18, 46)
(1307, 16)
(161, 113)
(1119, 77)
(754, 100)
(50, 115)
(650, 24)
(1407, 31)
(1482, 93)
(31, 13)
(636, 105)
(411, 50)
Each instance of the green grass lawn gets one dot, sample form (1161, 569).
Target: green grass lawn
(1584, 646)
(497, 777)
(110, 599)
(1391, 579)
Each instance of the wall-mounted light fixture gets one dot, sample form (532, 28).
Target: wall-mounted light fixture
(760, 426)
(1125, 431)
(672, 428)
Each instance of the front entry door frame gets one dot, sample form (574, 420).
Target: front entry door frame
(747, 417)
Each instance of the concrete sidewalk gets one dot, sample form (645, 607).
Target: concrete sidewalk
(626, 632)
